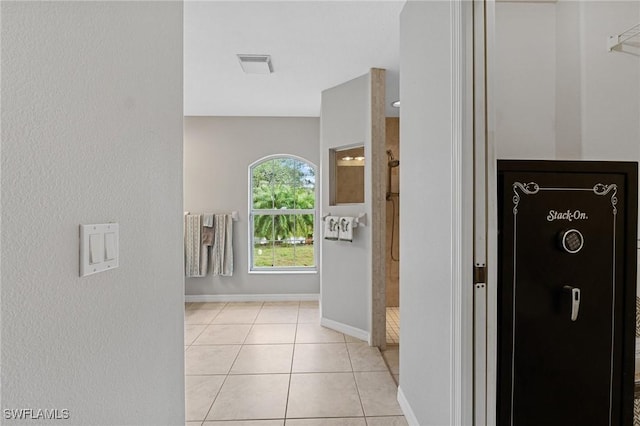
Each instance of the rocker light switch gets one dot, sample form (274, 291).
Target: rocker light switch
(109, 246)
(98, 248)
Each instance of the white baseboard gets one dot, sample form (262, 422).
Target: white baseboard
(406, 409)
(346, 329)
(251, 297)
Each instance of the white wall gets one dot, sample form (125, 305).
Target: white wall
(559, 93)
(92, 132)
(346, 267)
(217, 155)
(610, 83)
(525, 81)
(427, 219)
(568, 71)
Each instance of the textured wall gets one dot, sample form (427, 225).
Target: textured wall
(92, 132)
(217, 155)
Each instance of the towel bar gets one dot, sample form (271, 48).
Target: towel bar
(234, 215)
(360, 219)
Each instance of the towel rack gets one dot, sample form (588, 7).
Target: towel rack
(234, 215)
(616, 40)
(360, 219)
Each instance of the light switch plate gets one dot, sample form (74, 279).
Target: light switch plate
(98, 248)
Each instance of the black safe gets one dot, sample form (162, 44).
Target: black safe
(567, 254)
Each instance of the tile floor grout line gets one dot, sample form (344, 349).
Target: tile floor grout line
(251, 374)
(252, 344)
(190, 309)
(355, 382)
(223, 382)
(293, 354)
(295, 343)
(196, 338)
(215, 316)
(214, 398)
(389, 369)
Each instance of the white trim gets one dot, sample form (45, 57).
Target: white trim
(480, 212)
(276, 212)
(310, 270)
(492, 215)
(346, 329)
(458, 108)
(411, 418)
(251, 297)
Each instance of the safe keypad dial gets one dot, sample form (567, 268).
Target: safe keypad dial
(571, 241)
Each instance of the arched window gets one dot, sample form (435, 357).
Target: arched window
(283, 214)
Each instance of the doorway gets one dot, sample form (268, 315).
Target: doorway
(392, 257)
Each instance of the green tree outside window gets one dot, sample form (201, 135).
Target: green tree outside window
(283, 212)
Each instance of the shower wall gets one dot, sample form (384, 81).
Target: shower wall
(393, 268)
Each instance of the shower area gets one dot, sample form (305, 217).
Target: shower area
(392, 257)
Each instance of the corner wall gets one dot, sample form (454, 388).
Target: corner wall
(435, 229)
(217, 155)
(346, 267)
(560, 94)
(610, 104)
(92, 132)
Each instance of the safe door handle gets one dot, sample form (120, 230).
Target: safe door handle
(575, 300)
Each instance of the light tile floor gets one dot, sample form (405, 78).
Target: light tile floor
(393, 325)
(272, 364)
(392, 356)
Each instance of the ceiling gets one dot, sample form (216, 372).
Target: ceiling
(314, 45)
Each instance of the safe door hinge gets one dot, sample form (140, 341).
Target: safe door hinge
(479, 275)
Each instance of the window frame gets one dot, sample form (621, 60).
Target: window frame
(273, 212)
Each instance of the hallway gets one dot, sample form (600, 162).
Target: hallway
(271, 363)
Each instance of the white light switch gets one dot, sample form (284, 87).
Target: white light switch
(109, 246)
(98, 248)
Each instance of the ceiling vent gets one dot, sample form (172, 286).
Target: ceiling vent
(256, 64)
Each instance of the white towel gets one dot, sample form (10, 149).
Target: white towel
(346, 229)
(223, 245)
(331, 227)
(207, 220)
(195, 253)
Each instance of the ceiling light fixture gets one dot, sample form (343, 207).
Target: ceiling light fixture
(395, 104)
(359, 158)
(256, 64)
(347, 158)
